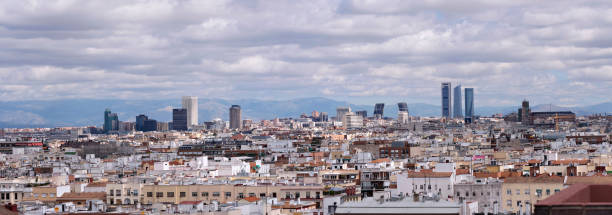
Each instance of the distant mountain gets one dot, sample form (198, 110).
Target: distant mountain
(83, 112)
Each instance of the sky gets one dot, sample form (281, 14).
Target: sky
(366, 51)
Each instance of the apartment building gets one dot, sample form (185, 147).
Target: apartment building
(520, 193)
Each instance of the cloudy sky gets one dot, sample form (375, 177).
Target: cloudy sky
(556, 52)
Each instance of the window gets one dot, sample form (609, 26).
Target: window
(216, 194)
(228, 194)
(467, 194)
(421, 187)
(458, 194)
(557, 190)
(308, 194)
(526, 191)
(170, 194)
(111, 193)
(509, 192)
(182, 194)
(448, 187)
(318, 195)
(127, 192)
(287, 195)
(118, 192)
(251, 194)
(297, 195)
(497, 193)
(43, 195)
(488, 193)
(518, 192)
(262, 195)
(539, 192)
(274, 195)
(241, 195)
(518, 203)
(204, 194)
(474, 194)
(149, 194)
(548, 192)
(50, 194)
(509, 203)
(135, 192)
(194, 194)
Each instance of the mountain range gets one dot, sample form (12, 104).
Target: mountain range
(85, 112)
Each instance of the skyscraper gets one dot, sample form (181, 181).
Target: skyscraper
(191, 104)
(457, 112)
(111, 121)
(179, 119)
(150, 125)
(446, 100)
(469, 105)
(323, 117)
(379, 110)
(235, 117)
(402, 107)
(525, 113)
(340, 112)
(140, 120)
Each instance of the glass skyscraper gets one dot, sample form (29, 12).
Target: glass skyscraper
(457, 107)
(379, 110)
(446, 100)
(179, 119)
(469, 105)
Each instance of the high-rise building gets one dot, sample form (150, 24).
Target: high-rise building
(111, 121)
(191, 104)
(149, 125)
(235, 117)
(179, 119)
(469, 105)
(340, 112)
(362, 113)
(524, 113)
(323, 117)
(140, 119)
(402, 107)
(457, 106)
(446, 100)
(379, 110)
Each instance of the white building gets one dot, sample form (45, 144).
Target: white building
(353, 120)
(438, 183)
(191, 104)
(402, 117)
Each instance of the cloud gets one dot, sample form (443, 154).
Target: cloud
(361, 51)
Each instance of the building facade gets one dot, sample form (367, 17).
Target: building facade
(235, 117)
(179, 119)
(469, 105)
(446, 100)
(191, 104)
(457, 106)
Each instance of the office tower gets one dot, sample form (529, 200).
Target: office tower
(140, 119)
(457, 106)
(379, 109)
(191, 104)
(340, 112)
(469, 105)
(315, 115)
(111, 121)
(402, 107)
(524, 113)
(446, 100)
(179, 119)
(352, 121)
(235, 117)
(149, 125)
(323, 117)
(362, 113)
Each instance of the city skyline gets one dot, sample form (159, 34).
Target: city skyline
(356, 51)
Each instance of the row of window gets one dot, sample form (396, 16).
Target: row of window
(518, 203)
(467, 194)
(117, 192)
(7, 196)
(288, 195)
(527, 192)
